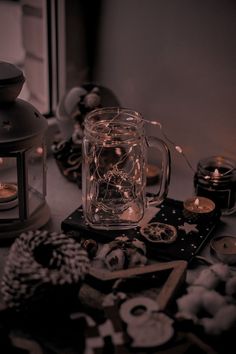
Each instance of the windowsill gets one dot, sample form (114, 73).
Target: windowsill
(63, 197)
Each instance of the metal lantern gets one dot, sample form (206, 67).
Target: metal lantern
(22, 158)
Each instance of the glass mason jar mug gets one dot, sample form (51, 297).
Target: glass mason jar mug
(114, 169)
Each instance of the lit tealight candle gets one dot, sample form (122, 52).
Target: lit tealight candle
(198, 206)
(8, 196)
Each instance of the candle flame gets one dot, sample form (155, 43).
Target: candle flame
(196, 202)
(216, 173)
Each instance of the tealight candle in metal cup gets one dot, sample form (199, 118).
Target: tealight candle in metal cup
(8, 196)
(198, 207)
(224, 248)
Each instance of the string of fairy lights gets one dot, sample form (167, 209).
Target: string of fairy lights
(179, 149)
(115, 179)
(171, 142)
(121, 180)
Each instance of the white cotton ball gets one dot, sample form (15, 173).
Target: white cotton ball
(115, 260)
(212, 301)
(137, 259)
(199, 290)
(210, 326)
(105, 249)
(230, 287)
(139, 245)
(190, 303)
(226, 317)
(222, 270)
(208, 279)
(187, 316)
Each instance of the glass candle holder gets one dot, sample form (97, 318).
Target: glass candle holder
(215, 179)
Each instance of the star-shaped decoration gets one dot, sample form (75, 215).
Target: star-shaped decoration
(188, 227)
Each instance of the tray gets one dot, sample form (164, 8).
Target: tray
(192, 235)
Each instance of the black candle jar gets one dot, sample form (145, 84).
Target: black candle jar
(216, 179)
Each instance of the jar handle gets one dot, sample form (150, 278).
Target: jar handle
(165, 170)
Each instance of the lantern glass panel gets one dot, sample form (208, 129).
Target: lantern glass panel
(9, 205)
(36, 177)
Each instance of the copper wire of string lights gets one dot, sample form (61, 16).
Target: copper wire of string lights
(114, 180)
(177, 147)
(115, 171)
(122, 179)
(114, 166)
(181, 152)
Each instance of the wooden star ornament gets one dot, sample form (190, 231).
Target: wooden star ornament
(188, 227)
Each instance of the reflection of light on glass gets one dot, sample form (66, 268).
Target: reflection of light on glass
(1, 161)
(118, 151)
(39, 150)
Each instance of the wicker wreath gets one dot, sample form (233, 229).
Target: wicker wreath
(40, 258)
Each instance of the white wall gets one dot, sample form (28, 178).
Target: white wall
(175, 61)
(11, 43)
